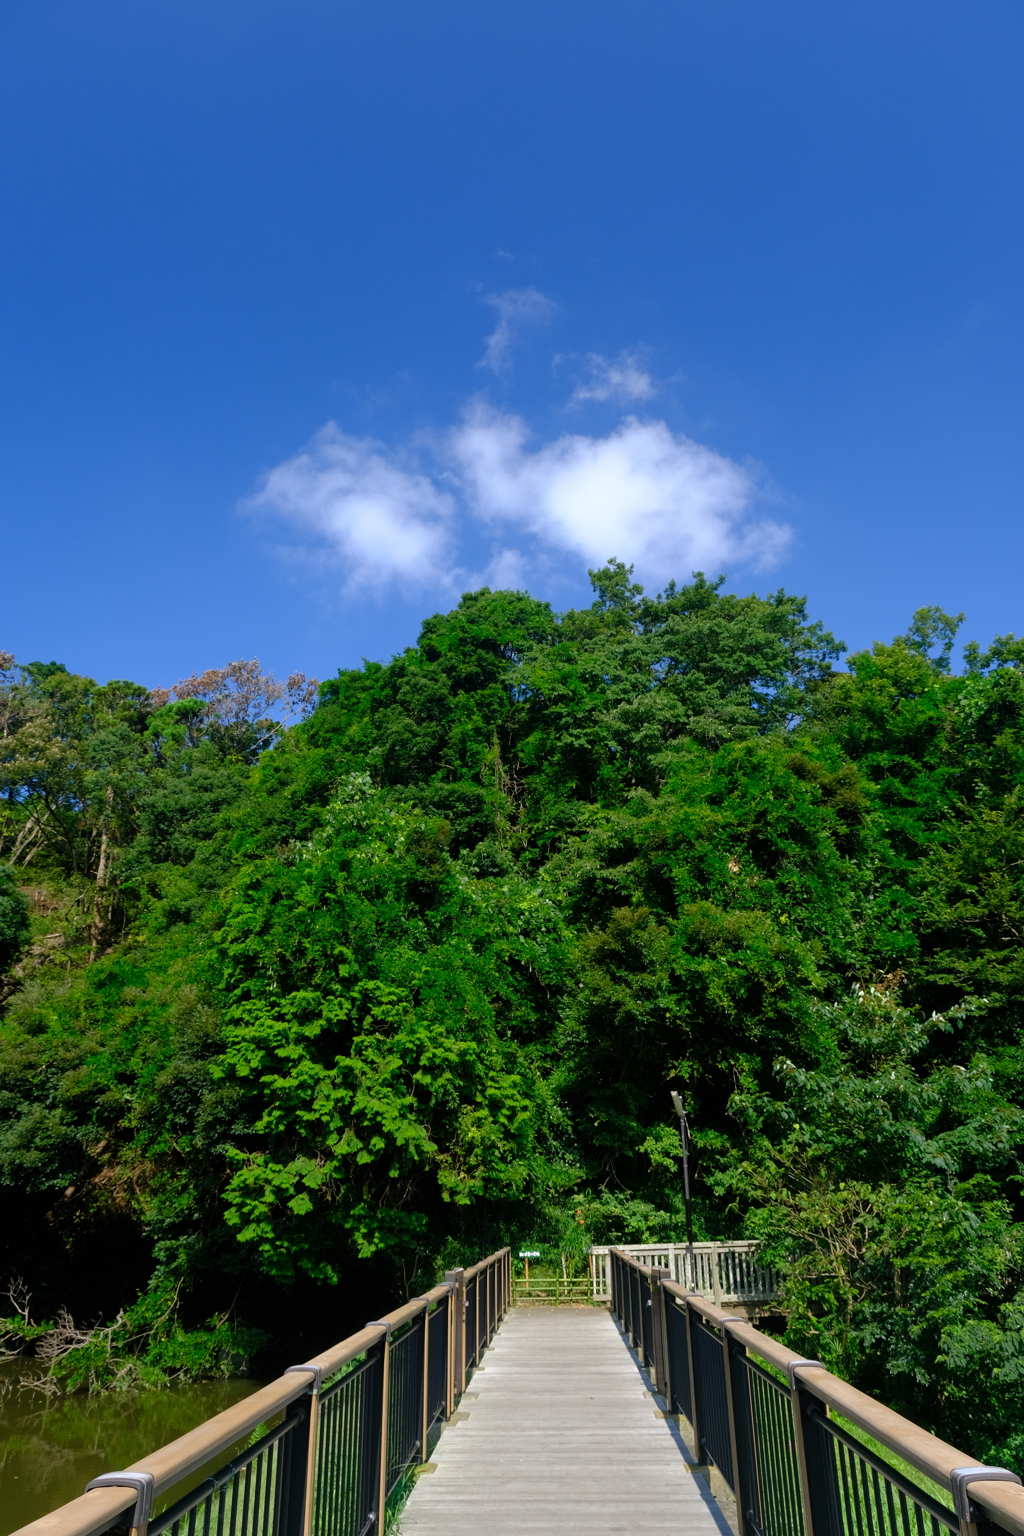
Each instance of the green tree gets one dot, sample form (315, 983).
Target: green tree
(15, 925)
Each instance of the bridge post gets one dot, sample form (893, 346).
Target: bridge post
(659, 1337)
(385, 1405)
(645, 1305)
(449, 1350)
(716, 1279)
(818, 1490)
(298, 1459)
(741, 1430)
(739, 1491)
(457, 1279)
(696, 1416)
(425, 1385)
(492, 1302)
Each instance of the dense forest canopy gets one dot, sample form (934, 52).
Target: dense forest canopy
(297, 1013)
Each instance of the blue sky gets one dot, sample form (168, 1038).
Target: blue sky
(312, 313)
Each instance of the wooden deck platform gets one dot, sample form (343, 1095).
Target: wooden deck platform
(558, 1433)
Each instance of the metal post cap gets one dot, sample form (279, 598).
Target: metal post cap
(791, 1368)
(142, 1482)
(960, 1477)
(316, 1371)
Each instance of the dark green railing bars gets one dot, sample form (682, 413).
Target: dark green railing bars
(768, 1421)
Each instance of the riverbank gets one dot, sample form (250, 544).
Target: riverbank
(50, 1446)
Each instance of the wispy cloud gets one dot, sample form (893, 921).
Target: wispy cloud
(516, 308)
(508, 570)
(621, 379)
(352, 500)
(658, 500)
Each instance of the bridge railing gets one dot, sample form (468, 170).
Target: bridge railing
(771, 1423)
(726, 1273)
(319, 1451)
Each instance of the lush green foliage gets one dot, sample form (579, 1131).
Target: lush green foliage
(359, 999)
(15, 925)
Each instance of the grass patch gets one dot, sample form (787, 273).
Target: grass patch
(911, 1473)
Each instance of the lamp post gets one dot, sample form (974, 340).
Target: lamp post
(684, 1137)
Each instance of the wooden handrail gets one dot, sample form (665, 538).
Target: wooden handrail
(492, 1258)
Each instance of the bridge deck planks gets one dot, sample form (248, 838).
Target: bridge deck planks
(560, 1437)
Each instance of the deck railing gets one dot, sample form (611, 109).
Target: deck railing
(726, 1273)
(767, 1420)
(320, 1450)
(552, 1291)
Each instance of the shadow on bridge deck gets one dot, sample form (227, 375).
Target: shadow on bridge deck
(559, 1432)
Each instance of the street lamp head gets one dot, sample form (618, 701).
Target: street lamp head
(677, 1104)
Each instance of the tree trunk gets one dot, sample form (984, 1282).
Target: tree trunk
(99, 919)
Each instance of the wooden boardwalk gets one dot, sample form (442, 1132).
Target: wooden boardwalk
(559, 1433)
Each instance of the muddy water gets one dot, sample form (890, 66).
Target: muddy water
(51, 1447)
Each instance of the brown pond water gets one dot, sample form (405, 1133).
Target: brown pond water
(51, 1446)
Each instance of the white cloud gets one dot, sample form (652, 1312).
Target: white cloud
(516, 307)
(642, 494)
(621, 379)
(380, 521)
(658, 501)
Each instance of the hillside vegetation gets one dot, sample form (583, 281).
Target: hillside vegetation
(297, 1017)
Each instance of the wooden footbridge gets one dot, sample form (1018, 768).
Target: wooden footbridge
(461, 1414)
